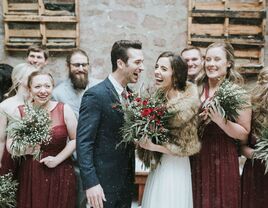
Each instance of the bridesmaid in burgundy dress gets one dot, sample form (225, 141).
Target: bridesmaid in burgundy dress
(17, 94)
(254, 181)
(50, 182)
(215, 170)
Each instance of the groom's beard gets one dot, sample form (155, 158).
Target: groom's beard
(79, 80)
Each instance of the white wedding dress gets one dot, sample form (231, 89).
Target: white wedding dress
(169, 185)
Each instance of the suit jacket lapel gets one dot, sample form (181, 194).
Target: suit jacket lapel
(111, 91)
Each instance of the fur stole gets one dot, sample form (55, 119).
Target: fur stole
(183, 127)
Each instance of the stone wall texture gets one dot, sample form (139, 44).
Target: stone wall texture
(160, 24)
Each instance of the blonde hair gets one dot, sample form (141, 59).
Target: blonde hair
(259, 101)
(232, 74)
(18, 74)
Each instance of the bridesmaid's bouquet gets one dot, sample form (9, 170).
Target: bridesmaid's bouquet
(32, 130)
(261, 149)
(8, 189)
(146, 115)
(229, 99)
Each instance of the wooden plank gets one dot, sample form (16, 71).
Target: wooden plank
(253, 53)
(77, 7)
(41, 7)
(20, 18)
(246, 6)
(60, 44)
(24, 33)
(22, 6)
(249, 69)
(61, 33)
(211, 5)
(37, 18)
(220, 29)
(249, 53)
(244, 29)
(58, 19)
(237, 6)
(231, 14)
(43, 32)
(5, 6)
(49, 49)
(27, 13)
(240, 41)
(6, 32)
(19, 44)
(209, 29)
(226, 27)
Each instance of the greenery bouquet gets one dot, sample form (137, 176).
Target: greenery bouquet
(8, 189)
(31, 131)
(229, 99)
(261, 149)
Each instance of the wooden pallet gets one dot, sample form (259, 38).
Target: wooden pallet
(28, 23)
(240, 23)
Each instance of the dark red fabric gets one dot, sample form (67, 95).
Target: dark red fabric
(43, 187)
(8, 164)
(215, 170)
(254, 185)
(254, 182)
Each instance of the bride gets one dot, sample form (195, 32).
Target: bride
(169, 184)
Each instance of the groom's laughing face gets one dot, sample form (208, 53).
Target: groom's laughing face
(134, 65)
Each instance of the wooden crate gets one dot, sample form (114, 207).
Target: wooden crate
(240, 23)
(54, 24)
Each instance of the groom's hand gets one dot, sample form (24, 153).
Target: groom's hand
(95, 196)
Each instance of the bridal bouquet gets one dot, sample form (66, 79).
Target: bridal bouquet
(261, 149)
(31, 131)
(228, 100)
(145, 116)
(8, 188)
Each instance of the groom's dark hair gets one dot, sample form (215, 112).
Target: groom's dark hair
(119, 50)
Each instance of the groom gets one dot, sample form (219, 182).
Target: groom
(108, 172)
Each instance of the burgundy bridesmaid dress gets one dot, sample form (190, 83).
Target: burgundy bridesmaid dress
(43, 187)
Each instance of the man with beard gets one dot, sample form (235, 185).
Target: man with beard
(71, 92)
(194, 59)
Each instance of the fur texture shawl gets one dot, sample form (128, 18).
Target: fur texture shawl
(183, 125)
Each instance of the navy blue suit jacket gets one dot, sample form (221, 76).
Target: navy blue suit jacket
(98, 134)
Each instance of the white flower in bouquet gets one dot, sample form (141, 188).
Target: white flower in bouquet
(8, 189)
(31, 131)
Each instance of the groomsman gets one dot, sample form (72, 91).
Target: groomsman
(108, 172)
(194, 59)
(37, 55)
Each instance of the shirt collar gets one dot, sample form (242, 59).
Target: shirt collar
(118, 87)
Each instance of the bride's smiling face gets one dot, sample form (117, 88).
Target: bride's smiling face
(163, 73)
